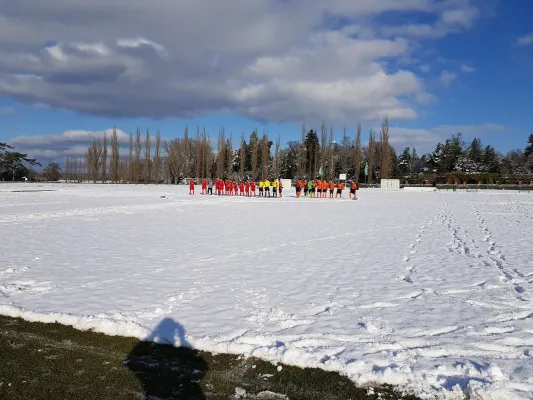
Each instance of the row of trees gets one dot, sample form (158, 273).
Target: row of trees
(457, 156)
(259, 157)
(315, 154)
(149, 159)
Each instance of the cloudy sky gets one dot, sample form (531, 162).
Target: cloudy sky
(70, 70)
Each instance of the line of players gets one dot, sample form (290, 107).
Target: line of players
(227, 187)
(312, 188)
(319, 189)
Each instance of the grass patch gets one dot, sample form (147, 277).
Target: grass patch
(52, 361)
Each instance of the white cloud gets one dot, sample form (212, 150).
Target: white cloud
(467, 68)
(425, 68)
(462, 16)
(426, 139)
(458, 17)
(446, 77)
(57, 147)
(270, 60)
(525, 40)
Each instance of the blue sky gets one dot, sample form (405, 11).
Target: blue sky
(436, 67)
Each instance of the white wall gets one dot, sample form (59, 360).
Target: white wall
(390, 184)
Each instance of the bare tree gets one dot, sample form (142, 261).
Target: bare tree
(254, 143)
(357, 153)
(131, 162)
(93, 158)
(115, 157)
(301, 160)
(80, 170)
(199, 154)
(221, 155)
(265, 153)
(345, 151)
(385, 149)
(137, 161)
(66, 171)
(330, 154)
(175, 163)
(186, 151)
(147, 158)
(157, 157)
(371, 157)
(242, 157)
(277, 160)
(229, 155)
(324, 147)
(123, 168)
(104, 160)
(207, 155)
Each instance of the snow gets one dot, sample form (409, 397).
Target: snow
(430, 291)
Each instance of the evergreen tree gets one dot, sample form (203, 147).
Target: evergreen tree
(491, 160)
(528, 154)
(312, 147)
(529, 148)
(436, 159)
(404, 161)
(453, 149)
(471, 160)
(289, 157)
(12, 162)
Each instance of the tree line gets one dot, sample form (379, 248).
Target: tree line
(316, 154)
(147, 158)
(456, 157)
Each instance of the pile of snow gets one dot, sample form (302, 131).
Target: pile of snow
(432, 292)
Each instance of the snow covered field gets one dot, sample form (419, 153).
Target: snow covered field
(429, 291)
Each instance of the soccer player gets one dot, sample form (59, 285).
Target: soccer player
(241, 188)
(353, 189)
(306, 187)
(252, 187)
(274, 188)
(204, 186)
(191, 187)
(261, 188)
(340, 186)
(310, 188)
(210, 187)
(298, 188)
(247, 188)
(267, 187)
(280, 188)
(331, 188)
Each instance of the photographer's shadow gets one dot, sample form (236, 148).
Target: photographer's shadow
(166, 371)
